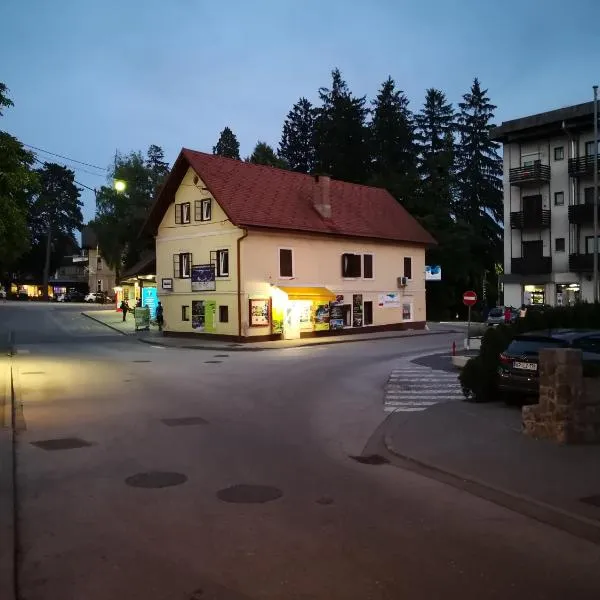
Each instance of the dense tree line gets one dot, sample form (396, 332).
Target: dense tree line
(438, 161)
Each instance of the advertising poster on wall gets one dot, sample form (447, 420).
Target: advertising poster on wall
(322, 317)
(407, 311)
(203, 278)
(198, 315)
(389, 300)
(141, 316)
(259, 312)
(433, 273)
(336, 315)
(210, 310)
(357, 310)
(277, 319)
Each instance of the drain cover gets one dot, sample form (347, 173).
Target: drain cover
(61, 444)
(178, 422)
(249, 494)
(156, 479)
(213, 361)
(593, 500)
(371, 459)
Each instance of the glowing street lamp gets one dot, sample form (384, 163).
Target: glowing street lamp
(119, 185)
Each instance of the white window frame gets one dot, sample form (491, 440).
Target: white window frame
(205, 210)
(362, 265)
(279, 275)
(182, 273)
(219, 270)
(562, 151)
(557, 195)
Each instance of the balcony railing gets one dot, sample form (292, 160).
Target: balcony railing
(581, 263)
(582, 214)
(584, 165)
(532, 265)
(537, 219)
(534, 174)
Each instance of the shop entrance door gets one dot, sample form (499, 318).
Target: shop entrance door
(291, 321)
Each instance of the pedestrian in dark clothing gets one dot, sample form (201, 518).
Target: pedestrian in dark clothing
(159, 316)
(124, 308)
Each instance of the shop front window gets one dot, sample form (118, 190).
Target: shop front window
(534, 294)
(568, 294)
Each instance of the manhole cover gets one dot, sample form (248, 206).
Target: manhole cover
(593, 500)
(214, 362)
(178, 422)
(249, 494)
(371, 459)
(142, 361)
(33, 372)
(61, 444)
(221, 355)
(156, 479)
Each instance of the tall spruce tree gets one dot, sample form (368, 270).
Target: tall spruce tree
(479, 180)
(297, 145)
(392, 140)
(227, 145)
(341, 134)
(435, 134)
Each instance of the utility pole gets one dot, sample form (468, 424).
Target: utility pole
(595, 263)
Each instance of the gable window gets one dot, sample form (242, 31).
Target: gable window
(559, 244)
(182, 213)
(182, 265)
(222, 263)
(286, 262)
(559, 153)
(351, 265)
(368, 266)
(224, 314)
(408, 267)
(559, 198)
(202, 210)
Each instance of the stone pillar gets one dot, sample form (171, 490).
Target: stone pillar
(569, 406)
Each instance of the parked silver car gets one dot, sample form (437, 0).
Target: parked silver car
(496, 315)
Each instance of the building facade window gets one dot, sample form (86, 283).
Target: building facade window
(224, 314)
(202, 210)
(408, 267)
(182, 265)
(351, 265)
(590, 147)
(185, 313)
(99, 285)
(182, 213)
(559, 198)
(367, 266)
(559, 244)
(559, 153)
(222, 263)
(589, 244)
(588, 195)
(286, 262)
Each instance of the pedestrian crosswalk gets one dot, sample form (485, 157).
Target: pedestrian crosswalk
(414, 388)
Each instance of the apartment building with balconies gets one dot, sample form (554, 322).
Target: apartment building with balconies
(548, 206)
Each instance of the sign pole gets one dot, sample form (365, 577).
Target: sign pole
(469, 329)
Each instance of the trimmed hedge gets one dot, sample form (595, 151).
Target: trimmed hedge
(479, 377)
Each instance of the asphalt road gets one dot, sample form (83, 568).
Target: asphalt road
(289, 420)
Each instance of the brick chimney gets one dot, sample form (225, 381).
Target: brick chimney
(321, 196)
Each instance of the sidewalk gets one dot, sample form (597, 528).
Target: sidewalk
(482, 444)
(114, 320)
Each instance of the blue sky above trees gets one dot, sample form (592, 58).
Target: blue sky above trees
(88, 78)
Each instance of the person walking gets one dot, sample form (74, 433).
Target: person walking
(507, 315)
(124, 308)
(159, 316)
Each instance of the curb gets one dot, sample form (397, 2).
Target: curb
(319, 343)
(105, 324)
(572, 523)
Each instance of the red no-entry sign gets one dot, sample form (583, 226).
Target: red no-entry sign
(469, 298)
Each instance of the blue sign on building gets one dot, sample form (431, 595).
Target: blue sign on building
(150, 299)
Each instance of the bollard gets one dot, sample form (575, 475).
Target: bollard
(453, 348)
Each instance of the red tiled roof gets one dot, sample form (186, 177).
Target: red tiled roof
(260, 196)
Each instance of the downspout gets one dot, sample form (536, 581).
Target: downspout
(239, 281)
(573, 232)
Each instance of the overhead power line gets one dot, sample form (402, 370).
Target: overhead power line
(79, 162)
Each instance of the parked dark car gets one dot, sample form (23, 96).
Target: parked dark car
(518, 372)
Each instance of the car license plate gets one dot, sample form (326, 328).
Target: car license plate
(527, 366)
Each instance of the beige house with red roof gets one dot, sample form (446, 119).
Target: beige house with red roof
(254, 252)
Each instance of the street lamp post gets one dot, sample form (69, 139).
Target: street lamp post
(595, 267)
